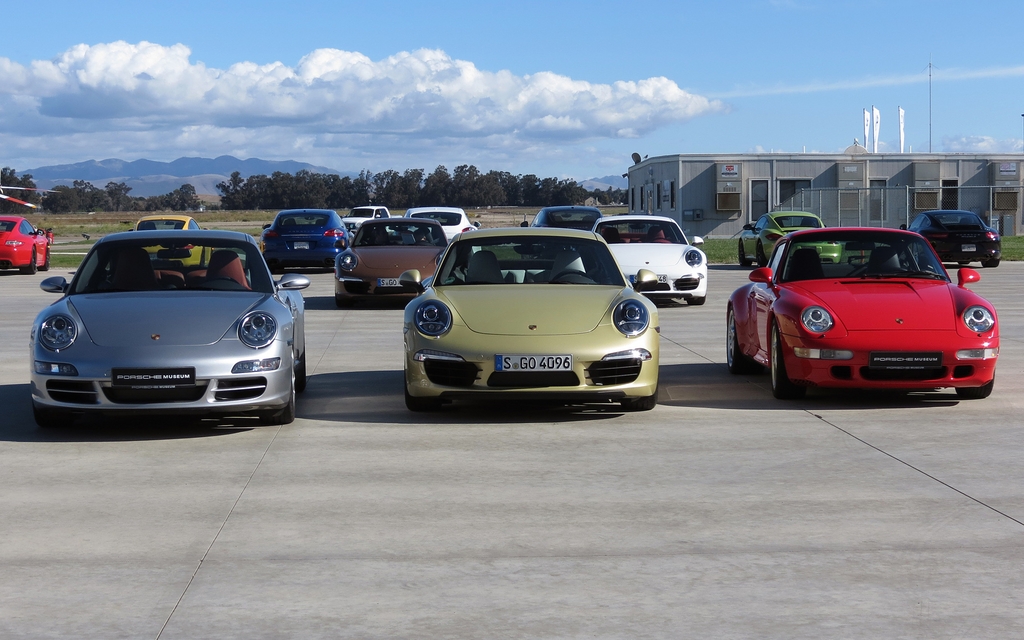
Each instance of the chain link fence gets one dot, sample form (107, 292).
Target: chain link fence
(895, 206)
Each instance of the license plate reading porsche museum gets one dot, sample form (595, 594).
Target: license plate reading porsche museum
(153, 378)
(532, 363)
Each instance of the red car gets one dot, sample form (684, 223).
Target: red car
(22, 246)
(884, 316)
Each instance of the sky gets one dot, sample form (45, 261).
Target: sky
(567, 89)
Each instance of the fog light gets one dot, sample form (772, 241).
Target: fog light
(822, 354)
(430, 354)
(632, 354)
(977, 354)
(257, 366)
(56, 368)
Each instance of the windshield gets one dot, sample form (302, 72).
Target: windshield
(633, 231)
(172, 265)
(959, 221)
(154, 225)
(528, 260)
(289, 221)
(6, 225)
(798, 222)
(361, 212)
(446, 218)
(861, 255)
(571, 218)
(396, 233)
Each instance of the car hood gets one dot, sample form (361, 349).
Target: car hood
(402, 257)
(648, 256)
(179, 318)
(553, 309)
(871, 305)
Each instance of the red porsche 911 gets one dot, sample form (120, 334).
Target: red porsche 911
(22, 246)
(883, 316)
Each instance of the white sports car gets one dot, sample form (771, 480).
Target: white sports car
(453, 219)
(658, 244)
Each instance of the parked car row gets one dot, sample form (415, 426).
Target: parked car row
(546, 313)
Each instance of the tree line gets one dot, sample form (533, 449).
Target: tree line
(467, 186)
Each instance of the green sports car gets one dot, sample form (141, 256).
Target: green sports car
(530, 314)
(757, 240)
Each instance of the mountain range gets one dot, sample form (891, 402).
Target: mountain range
(152, 178)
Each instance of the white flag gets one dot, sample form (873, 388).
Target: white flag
(878, 121)
(867, 127)
(901, 127)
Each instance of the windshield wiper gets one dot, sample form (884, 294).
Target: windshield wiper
(931, 275)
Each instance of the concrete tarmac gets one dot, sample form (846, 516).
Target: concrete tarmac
(722, 513)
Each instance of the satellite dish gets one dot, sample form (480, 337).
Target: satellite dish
(636, 158)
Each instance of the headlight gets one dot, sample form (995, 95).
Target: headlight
(432, 318)
(693, 258)
(979, 319)
(57, 332)
(631, 318)
(347, 261)
(257, 329)
(816, 320)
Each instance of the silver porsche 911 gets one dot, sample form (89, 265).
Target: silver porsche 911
(170, 322)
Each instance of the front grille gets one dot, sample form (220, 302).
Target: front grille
(357, 287)
(686, 284)
(239, 388)
(963, 371)
(608, 372)
(72, 391)
(522, 379)
(5, 264)
(451, 373)
(125, 395)
(842, 372)
(935, 373)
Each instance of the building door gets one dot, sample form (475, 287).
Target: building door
(876, 201)
(758, 198)
(950, 194)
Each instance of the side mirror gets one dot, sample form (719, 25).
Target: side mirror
(341, 243)
(646, 280)
(903, 226)
(411, 281)
(748, 227)
(967, 276)
(476, 224)
(293, 282)
(55, 284)
(266, 226)
(697, 241)
(524, 223)
(762, 275)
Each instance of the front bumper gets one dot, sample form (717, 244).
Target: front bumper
(216, 389)
(353, 287)
(590, 380)
(855, 373)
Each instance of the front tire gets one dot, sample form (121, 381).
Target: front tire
(51, 418)
(285, 415)
(976, 393)
(696, 302)
(782, 387)
(988, 264)
(30, 268)
(300, 374)
(645, 403)
(738, 362)
(419, 405)
(742, 255)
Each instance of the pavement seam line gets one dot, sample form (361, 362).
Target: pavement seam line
(326, 350)
(921, 471)
(217, 535)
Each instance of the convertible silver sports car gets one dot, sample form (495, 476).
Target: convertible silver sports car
(141, 329)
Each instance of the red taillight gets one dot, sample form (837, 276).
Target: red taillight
(937, 236)
(335, 233)
(467, 229)
(269, 233)
(991, 235)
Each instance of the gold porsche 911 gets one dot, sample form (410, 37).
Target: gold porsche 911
(538, 313)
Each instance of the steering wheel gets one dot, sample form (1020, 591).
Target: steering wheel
(569, 272)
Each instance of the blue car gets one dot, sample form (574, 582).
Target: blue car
(303, 238)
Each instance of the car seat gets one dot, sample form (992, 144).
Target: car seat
(804, 264)
(483, 269)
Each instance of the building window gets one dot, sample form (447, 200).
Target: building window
(672, 195)
(657, 199)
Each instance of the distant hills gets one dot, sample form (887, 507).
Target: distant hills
(152, 178)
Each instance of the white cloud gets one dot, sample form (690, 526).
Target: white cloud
(145, 96)
(980, 144)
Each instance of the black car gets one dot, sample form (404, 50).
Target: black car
(304, 238)
(959, 236)
(567, 217)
